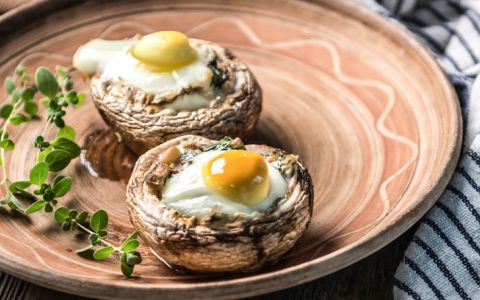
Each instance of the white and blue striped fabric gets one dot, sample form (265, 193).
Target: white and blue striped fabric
(443, 258)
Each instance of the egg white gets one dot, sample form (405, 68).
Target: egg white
(187, 193)
(112, 60)
(94, 55)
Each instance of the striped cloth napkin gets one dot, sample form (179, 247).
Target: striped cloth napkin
(443, 258)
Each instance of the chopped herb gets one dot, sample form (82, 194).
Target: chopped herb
(219, 75)
(222, 144)
(227, 143)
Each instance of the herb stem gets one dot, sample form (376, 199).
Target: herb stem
(2, 137)
(100, 238)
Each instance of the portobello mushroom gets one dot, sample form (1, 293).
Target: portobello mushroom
(225, 99)
(213, 239)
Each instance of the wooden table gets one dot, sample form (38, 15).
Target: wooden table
(370, 278)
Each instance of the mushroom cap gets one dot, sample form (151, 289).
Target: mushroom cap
(225, 243)
(143, 122)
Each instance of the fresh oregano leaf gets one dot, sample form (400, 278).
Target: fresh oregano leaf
(93, 239)
(7, 144)
(67, 145)
(25, 195)
(72, 97)
(48, 208)
(39, 173)
(132, 236)
(99, 220)
(44, 153)
(81, 98)
(72, 214)
(103, 253)
(57, 179)
(123, 258)
(126, 269)
(18, 119)
(61, 214)
(6, 110)
(130, 245)
(30, 108)
(12, 202)
(68, 83)
(9, 85)
(18, 186)
(67, 225)
(21, 70)
(28, 94)
(59, 122)
(35, 206)
(53, 106)
(62, 187)
(16, 95)
(133, 258)
(82, 216)
(57, 160)
(46, 82)
(66, 132)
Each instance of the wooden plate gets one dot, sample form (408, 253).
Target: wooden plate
(365, 107)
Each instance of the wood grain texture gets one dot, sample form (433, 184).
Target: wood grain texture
(365, 107)
(6, 5)
(370, 278)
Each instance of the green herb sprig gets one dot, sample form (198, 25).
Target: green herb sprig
(71, 219)
(52, 157)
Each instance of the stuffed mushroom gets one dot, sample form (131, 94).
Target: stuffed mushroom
(219, 206)
(153, 88)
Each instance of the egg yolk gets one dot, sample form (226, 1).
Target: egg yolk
(239, 175)
(164, 51)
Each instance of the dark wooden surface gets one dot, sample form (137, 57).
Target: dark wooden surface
(370, 278)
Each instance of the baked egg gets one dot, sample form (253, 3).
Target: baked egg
(226, 182)
(159, 62)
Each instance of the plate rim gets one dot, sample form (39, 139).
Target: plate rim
(279, 279)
